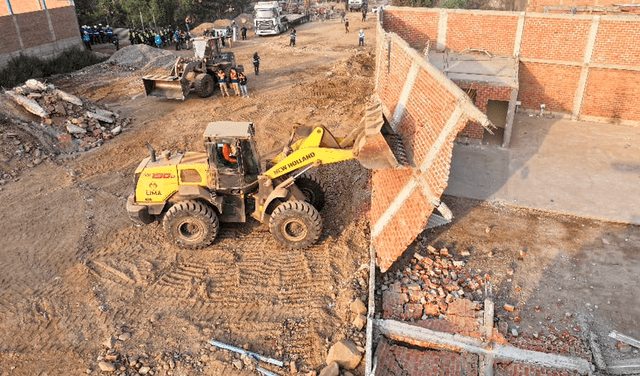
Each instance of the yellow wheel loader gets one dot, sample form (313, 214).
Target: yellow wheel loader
(191, 193)
(198, 73)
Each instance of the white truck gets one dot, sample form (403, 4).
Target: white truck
(357, 5)
(268, 18)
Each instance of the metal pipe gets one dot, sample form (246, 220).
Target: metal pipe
(9, 6)
(266, 372)
(249, 353)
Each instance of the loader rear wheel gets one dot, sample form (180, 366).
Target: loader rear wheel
(204, 85)
(295, 224)
(191, 224)
(312, 189)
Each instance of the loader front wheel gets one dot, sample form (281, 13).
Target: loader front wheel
(204, 85)
(312, 189)
(296, 224)
(191, 224)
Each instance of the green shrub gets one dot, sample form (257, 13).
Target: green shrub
(21, 68)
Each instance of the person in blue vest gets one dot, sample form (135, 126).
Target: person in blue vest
(256, 63)
(87, 40)
(100, 34)
(176, 38)
(158, 40)
(109, 34)
(361, 38)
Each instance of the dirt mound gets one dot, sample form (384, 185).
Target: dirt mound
(222, 23)
(138, 55)
(244, 19)
(202, 28)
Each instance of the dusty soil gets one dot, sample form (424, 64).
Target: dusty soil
(75, 272)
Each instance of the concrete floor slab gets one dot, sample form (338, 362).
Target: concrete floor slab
(579, 168)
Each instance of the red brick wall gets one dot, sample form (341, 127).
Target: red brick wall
(9, 40)
(401, 360)
(551, 84)
(483, 94)
(618, 43)
(415, 27)
(34, 29)
(65, 23)
(392, 75)
(563, 39)
(614, 96)
(427, 110)
(495, 34)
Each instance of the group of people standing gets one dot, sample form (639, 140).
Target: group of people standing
(98, 35)
(236, 79)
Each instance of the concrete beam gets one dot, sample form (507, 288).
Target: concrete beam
(409, 333)
(624, 367)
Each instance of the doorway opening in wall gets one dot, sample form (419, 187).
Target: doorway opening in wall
(497, 113)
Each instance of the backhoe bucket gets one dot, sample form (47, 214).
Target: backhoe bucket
(378, 147)
(169, 87)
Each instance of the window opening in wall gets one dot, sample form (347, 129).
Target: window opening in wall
(497, 113)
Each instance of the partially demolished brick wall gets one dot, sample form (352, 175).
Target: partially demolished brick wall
(427, 110)
(584, 66)
(31, 29)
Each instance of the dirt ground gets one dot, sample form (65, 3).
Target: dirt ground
(75, 272)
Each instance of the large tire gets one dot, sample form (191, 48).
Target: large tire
(204, 85)
(191, 224)
(313, 189)
(296, 224)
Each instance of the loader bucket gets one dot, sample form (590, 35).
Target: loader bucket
(169, 87)
(378, 147)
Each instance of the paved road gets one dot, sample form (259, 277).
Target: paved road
(585, 169)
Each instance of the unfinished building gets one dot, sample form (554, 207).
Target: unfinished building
(580, 66)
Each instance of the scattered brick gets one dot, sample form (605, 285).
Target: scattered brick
(509, 308)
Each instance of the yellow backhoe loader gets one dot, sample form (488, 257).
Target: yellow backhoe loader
(192, 192)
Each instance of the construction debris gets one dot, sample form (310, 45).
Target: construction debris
(64, 124)
(429, 286)
(624, 338)
(248, 353)
(345, 353)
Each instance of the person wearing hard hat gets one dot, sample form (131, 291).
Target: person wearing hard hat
(361, 38)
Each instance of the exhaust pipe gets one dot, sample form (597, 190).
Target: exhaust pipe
(152, 151)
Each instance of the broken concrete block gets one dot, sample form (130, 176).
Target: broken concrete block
(359, 322)
(74, 129)
(345, 353)
(358, 307)
(106, 366)
(330, 370)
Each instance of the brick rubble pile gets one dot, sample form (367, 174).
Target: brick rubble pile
(427, 288)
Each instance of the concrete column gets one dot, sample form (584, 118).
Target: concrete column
(17, 27)
(404, 96)
(441, 41)
(519, 32)
(584, 74)
(511, 113)
(46, 12)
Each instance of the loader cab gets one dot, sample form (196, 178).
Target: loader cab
(233, 162)
(206, 47)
